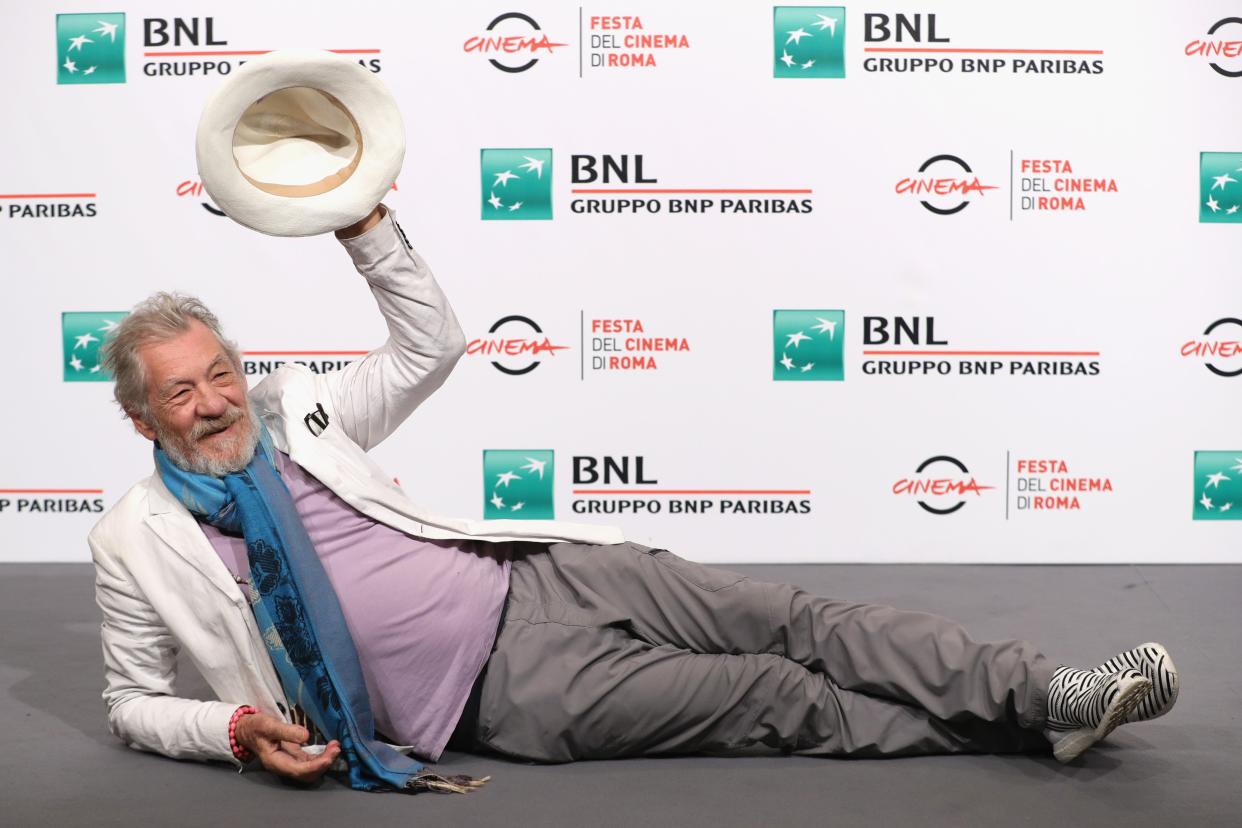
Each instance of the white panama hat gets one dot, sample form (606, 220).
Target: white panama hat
(299, 142)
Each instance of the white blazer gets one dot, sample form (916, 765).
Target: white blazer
(162, 587)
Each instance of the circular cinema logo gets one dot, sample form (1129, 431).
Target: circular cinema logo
(1220, 347)
(941, 484)
(1223, 45)
(515, 344)
(945, 185)
(513, 42)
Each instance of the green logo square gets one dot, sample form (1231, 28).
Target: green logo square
(517, 484)
(83, 333)
(90, 48)
(517, 184)
(807, 345)
(1218, 485)
(808, 41)
(1220, 187)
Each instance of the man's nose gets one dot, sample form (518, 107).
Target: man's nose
(211, 403)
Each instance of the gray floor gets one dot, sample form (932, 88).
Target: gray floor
(59, 766)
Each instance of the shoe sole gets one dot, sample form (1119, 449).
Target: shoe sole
(1156, 664)
(1071, 746)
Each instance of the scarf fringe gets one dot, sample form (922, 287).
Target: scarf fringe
(460, 783)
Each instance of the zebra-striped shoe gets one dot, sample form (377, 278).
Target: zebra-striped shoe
(1085, 706)
(1152, 660)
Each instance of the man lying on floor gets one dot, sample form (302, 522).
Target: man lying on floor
(298, 577)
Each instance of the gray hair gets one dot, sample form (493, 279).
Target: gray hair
(158, 318)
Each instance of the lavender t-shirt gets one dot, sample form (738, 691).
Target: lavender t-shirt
(422, 613)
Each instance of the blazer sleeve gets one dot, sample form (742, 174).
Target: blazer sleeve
(140, 663)
(374, 395)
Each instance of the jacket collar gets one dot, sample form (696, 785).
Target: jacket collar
(161, 501)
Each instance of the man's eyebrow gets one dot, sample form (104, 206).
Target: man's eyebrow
(173, 382)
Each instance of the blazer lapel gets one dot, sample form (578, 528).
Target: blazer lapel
(174, 524)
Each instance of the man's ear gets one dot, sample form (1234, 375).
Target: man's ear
(141, 426)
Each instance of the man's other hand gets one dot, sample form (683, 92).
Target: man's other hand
(360, 227)
(279, 747)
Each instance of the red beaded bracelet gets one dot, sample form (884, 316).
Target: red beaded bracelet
(242, 754)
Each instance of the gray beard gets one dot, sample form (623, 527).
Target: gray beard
(185, 456)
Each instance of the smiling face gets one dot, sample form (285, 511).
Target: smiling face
(197, 401)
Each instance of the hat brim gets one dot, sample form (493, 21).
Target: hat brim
(359, 90)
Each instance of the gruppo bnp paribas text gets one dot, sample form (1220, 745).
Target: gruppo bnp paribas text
(983, 58)
(641, 196)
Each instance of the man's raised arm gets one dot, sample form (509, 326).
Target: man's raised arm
(372, 396)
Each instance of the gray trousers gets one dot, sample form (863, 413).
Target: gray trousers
(611, 651)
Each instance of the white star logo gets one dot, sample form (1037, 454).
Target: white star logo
(1231, 210)
(518, 505)
(1206, 502)
(1213, 205)
(503, 479)
(826, 326)
(1238, 467)
(75, 363)
(108, 326)
(533, 465)
(1227, 507)
(94, 369)
(84, 340)
(809, 64)
(70, 66)
(517, 205)
(795, 37)
(826, 22)
(90, 70)
(787, 362)
(108, 30)
(795, 339)
(1222, 180)
(787, 58)
(498, 501)
(1214, 480)
(495, 202)
(502, 178)
(76, 42)
(808, 367)
(533, 165)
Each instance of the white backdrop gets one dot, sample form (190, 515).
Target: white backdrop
(1128, 280)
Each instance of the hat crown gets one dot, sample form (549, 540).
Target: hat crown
(297, 137)
(299, 142)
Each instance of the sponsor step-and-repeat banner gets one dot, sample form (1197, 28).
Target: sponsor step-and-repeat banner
(950, 281)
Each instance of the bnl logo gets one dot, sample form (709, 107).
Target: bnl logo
(808, 345)
(516, 184)
(83, 334)
(808, 41)
(90, 48)
(1218, 485)
(1220, 187)
(517, 484)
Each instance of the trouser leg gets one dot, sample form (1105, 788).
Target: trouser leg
(559, 687)
(914, 658)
